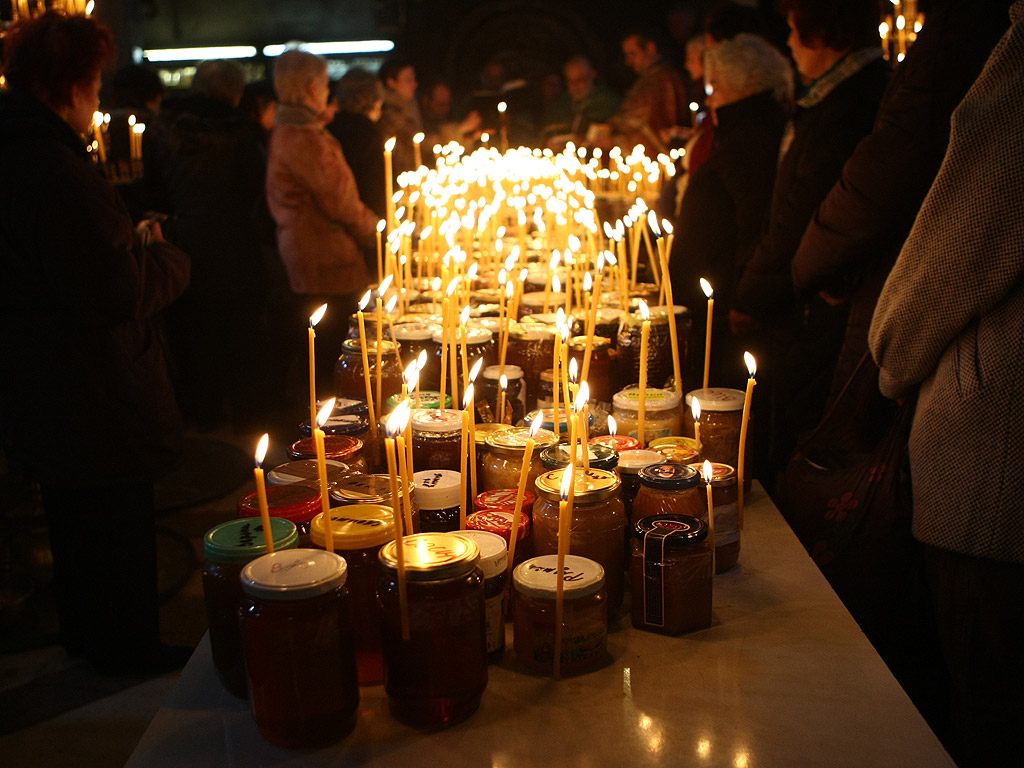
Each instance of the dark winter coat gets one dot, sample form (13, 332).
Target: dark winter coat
(362, 143)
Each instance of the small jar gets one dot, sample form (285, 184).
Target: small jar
(597, 528)
(228, 548)
(670, 573)
(479, 345)
(618, 443)
(489, 392)
(600, 456)
(298, 504)
(435, 678)
(665, 489)
(305, 472)
(373, 489)
(360, 530)
(424, 398)
(599, 377)
(584, 642)
(437, 439)
(721, 414)
(503, 460)
(297, 599)
(494, 564)
(504, 498)
(415, 337)
(348, 371)
(724, 497)
(531, 348)
(500, 522)
(346, 449)
(659, 352)
(662, 414)
(438, 492)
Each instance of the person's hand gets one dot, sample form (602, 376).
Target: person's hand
(150, 232)
(741, 324)
(471, 124)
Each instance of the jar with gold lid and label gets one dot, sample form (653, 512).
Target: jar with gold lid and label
(597, 527)
(503, 460)
(724, 497)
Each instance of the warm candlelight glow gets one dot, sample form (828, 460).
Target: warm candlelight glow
(399, 418)
(751, 364)
(503, 382)
(567, 478)
(573, 370)
(652, 222)
(325, 412)
(613, 428)
(706, 472)
(261, 449)
(706, 287)
(695, 410)
(418, 138)
(365, 301)
(389, 145)
(645, 311)
(467, 398)
(502, 106)
(536, 423)
(384, 285)
(317, 316)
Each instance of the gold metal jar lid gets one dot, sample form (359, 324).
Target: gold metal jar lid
(367, 489)
(432, 556)
(591, 485)
(721, 474)
(356, 526)
(513, 440)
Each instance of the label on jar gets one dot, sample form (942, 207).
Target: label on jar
(726, 525)
(538, 577)
(503, 498)
(654, 571)
(500, 521)
(431, 552)
(495, 623)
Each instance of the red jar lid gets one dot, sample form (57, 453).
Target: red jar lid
(503, 498)
(337, 447)
(499, 521)
(298, 503)
(619, 443)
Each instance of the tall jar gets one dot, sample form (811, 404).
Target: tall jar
(360, 530)
(373, 489)
(585, 614)
(437, 438)
(659, 352)
(597, 528)
(675, 489)
(435, 678)
(494, 564)
(599, 378)
(670, 574)
(684, 332)
(503, 461)
(228, 548)
(721, 415)
(439, 492)
(298, 504)
(297, 598)
(348, 371)
(662, 413)
(488, 390)
(532, 349)
(607, 325)
(724, 498)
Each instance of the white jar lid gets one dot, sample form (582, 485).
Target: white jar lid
(631, 462)
(436, 420)
(493, 372)
(493, 551)
(438, 488)
(657, 399)
(538, 577)
(473, 335)
(717, 399)
(417, 331)
(294, 574)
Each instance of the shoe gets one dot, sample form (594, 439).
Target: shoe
(151, 662)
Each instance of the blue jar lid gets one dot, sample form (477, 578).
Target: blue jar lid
(667, 476)
(350, 424)
(239, 541)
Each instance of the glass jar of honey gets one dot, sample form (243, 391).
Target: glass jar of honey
(607, 325)
(597, 528)
(668, 489)
(503, 460)
(721, 415)
(228, 548)
(360, 530)
(297, 598)
(531, 348)
(599, 377)
(348, 371)
(724, 498)
(671, 574)
(489, 391)
(494, 564)
(479, 346)
(630, 464)
(584, 640)
(415, 337)
(662, 413)
(659, 351)
(437, 438)
(438, 492)
(436, 678)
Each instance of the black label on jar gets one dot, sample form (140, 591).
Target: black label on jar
(654, 581)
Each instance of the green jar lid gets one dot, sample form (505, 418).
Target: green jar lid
(428, 398)
(239, 541)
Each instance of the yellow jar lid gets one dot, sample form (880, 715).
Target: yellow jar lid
(721, 474)
(513, 440)
(430, 556)
(590, 485)
(356, 526)
(687, 442)
(366, 489)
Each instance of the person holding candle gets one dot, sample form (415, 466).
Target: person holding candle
(86, 406)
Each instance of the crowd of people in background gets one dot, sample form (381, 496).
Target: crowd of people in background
(805, 165)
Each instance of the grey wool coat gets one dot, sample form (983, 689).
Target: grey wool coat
(951, 319)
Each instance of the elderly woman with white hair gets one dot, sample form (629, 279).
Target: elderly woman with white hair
(325, 234)
(725, 207)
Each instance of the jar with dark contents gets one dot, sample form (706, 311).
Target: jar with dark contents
(416, 337)
(439, 492)
(628, 470)
(369, 325)
(607, 325)
(494, 564)
(584, 639)
(597, 528)
(360, 530)
(659, 352)
(671, 575)
(500, 522)
(343, 448)
(374, 489)
(721, 415)
(684, 332)
(297, 598)
(600, 457)
(531, 348)
(437, 438)
(599, 378)
(348, 371)
(488, 390)
(436, 678)
(479, 346)
(724, 498)
(228, 548)
(298, 504)
(506, 450)
(666, 489)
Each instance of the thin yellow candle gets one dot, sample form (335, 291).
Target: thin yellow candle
(315, 318)
(502, 386)
(363, 303)
(464, 456)
(555, 419)
(695, 412)
(381, 290)
(566, 336)
(444, 348)
(582, 415)
(708, 474)
(403, 598)
(463, 338)
(421, 363)
(389, 182)
(261, 492)
(321, 470)
(510, 291)
(709, 292)
(410, 382)
(417, 140)
(645, 338)
(470, 390)
(381, 225)
(524, 476)
(673, 333)
(403, 464)
(564, 523)
(741, 460)
(503, 119)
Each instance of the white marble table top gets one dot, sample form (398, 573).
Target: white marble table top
(783, 677)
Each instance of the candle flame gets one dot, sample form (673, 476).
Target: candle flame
(573, 370)
(325, 412)
(261, 449)
(706, 287)
(97, 119)
(390, 306)
(389, 145)
(581, 397)
(556, 284)
(418, 137)
(695, 410)
(381, 225)
(536, 423)
(503, 382)
(411, 375)
(567, 478)
(588, 282)
(421, 360)
(384, 285)
(365, 301)
(652, 222)
(317, 316)
(399, 419)
(467, 398)
(475, 370)
(613, 428)
(706, 472)
(502, 106)
(452, 285)
(510, 289)
(464, 316)
(645, 312)
(751, 364)
(666, 225)
(610, 258)
(485, 137)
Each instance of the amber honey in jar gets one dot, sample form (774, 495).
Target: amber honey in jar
(599, 377)
(607, 325)
(298, 599)
(721, 413)
(724, 497)
(298, 504)
(439, 492)
(348, 371)
(597, 527)
(671, 575)
(628, 470)
(227, 549)
(531, 348)
(584, 641)
(437, 438)
(494, 564)
(360, 530)
(668, 488)
(503, 460)
(436, 678)
(415, 337)
(374, 489)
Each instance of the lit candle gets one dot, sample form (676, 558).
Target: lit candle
(709, 292)
(463, 338)
(464, 455)
(389, 450)
(363, 303)
(695, 412)
(401, 415)
(381, 290)
(503, 118)
(97, 122)
(470, 389)
(315, 318)
(564, 528)
(389, 182)
(417, 139)
(321, 469)
(741, 459)
(580, 407)
(673, 333)
(555, 419)
(524, 475)
(261, 492)
(708, 474)
(645, 337)
(381, 226)
(421, 363)
(503, 386)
